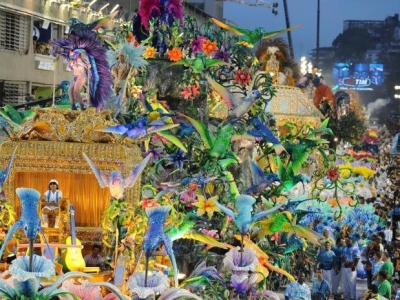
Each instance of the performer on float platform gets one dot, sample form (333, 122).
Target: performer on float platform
(94, 259)
(51, 198)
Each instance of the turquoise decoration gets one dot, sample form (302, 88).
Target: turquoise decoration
(244, 218)
(29, 221)
(26, 283)
(155, 236)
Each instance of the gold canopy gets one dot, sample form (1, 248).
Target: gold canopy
(50, 146)
(36, 162)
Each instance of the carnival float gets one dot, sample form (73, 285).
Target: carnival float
(190, 153)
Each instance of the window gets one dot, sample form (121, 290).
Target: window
(14, 93)
(14, 32)
(43, 32)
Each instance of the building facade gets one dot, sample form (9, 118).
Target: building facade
(27, 27)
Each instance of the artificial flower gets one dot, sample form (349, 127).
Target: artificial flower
(241, 260)
(209, 47)
(332, 174)
(242, 77)
(83, 289)
(193, 186)
(157, 283)
(243, 282)
(156, 154)
(149, 52)
(26, 284)
(196, 45)
(178, 159)
(147, 203)
(209, 272)
(188, 198)
(221, 54)
(42, 268)
(175, 54)
(212, 233)
(206, 206)
(190, 92)
(136, 90)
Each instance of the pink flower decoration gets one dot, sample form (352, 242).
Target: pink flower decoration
(211, 233)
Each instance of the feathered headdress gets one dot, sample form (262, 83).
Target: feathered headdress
(133, 55)
(167, 10)
(100, 79)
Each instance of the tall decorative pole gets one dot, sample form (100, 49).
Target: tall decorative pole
(289, 33)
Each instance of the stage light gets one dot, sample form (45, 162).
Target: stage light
(104, 6)
(91, 3)
(114, 8)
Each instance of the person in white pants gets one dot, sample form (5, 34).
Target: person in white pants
(327, 260)
(337, 274)
(350, 258)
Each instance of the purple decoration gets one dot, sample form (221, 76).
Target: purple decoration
(100, 77)
(197, 45)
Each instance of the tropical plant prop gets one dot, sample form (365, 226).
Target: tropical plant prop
(349, 128)
(123, 228)
(338, 187)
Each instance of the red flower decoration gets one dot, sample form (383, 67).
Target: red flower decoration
(242, 77)
(190, 92)
(333, 174)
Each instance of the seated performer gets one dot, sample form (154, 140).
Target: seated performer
(50, 200)
(94, 259)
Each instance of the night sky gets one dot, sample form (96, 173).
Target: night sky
(332, 14)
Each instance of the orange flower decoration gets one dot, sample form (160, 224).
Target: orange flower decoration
(209, 47)
(149, 52)
(175, 54)
(147, 203)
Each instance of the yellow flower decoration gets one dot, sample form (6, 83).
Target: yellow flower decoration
(149, 52)
(345, 171)
(135, 90)
(206, 206)
(367, 173)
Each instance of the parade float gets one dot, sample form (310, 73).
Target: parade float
(182, 157)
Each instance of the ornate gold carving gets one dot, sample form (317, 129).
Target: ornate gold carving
(291, 104)
(58, 227)
(54, 124)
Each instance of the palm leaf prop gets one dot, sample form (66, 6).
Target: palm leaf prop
(204, 238)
